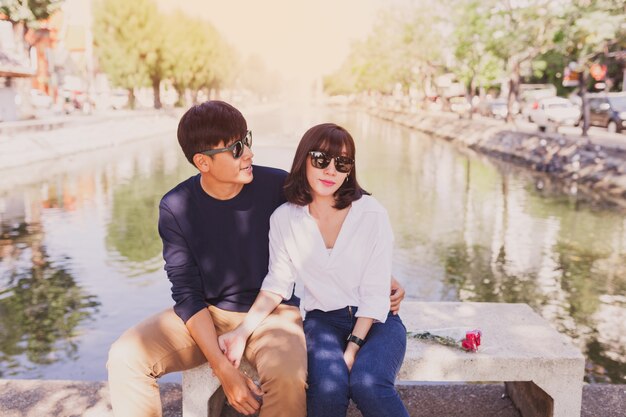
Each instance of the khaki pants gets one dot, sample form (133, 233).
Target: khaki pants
(162, 344)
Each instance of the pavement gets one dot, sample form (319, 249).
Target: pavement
(35, 398)
(49, 141)
(596, 135)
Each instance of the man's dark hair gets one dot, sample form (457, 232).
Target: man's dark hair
(205, 125)
(329, 138)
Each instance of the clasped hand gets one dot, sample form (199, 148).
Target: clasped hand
(233, 345)
(242, 393)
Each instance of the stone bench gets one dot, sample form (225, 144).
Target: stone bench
(543, 372)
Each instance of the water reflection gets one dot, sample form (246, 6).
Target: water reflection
(132, 238)
(41, 304)
(67, 243)
(470, 229)
(80, 255)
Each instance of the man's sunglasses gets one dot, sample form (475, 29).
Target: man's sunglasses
(321, 160)
(236, 148)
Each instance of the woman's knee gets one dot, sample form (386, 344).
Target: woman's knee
(368, 387)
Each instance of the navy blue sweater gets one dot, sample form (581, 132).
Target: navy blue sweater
(217, 251)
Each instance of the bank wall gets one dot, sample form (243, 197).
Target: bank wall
(597, 171)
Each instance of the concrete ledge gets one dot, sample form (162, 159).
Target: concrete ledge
(518, 346)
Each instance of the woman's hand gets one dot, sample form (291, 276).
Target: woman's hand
(233, 345)
(348, 356)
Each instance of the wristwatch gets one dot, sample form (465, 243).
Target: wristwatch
(356, 340)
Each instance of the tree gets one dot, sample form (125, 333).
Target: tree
(26, 13)
(129, 44)
(196, 56)
(520, 31)
(590, 27)
(341, 81)
(404, 49)
(475, 66)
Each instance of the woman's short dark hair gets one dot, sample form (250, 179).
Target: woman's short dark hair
(205, 125)
(331, 139)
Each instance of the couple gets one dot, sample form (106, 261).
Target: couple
(331, 235)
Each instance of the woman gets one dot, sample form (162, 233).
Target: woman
(335, 239)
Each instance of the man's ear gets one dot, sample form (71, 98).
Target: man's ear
(202, 162)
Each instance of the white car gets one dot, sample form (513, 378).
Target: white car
(554, 112)
(40, 100)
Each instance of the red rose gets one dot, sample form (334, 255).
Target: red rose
(471, 341)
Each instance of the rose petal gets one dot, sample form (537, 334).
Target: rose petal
(474, 335)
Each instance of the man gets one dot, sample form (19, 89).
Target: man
(214, 227)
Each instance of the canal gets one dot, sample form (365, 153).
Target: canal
(80, 256)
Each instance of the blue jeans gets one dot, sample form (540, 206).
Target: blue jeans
(370, 384)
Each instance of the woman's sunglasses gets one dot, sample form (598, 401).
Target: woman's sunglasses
(321, 160)
(236, 148)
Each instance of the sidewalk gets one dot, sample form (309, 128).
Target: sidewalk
(31, 398)
(83, 134)
(597, 135)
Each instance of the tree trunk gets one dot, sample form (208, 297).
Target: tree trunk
(425, 83)
(156, 90)
(583, 99)
(180, 102)
(470, 96)
(131, 99)
(513, 90)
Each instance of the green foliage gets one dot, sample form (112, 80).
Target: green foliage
(341, 82)
(481, 42)
(522, 30)
(589, 28)
(404, 49)
(137, 46)
(194, 51)
(127, 40)
(548, 69)
(29, 11)
(475, 65)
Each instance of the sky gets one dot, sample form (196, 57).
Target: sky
(300, 39)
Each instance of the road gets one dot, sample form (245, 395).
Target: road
(597, 135)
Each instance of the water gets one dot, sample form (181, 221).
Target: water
(80, 254)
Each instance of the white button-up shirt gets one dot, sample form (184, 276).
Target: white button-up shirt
(357, 272)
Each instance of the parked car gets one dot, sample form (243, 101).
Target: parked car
(119, 99)
(40, 100)
(530, 94)
(608, 110)
(497, 108)
(554, 112)
(460, 105)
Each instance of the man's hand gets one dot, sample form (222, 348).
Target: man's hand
(397, 295)
(239, 390)
(233, 345)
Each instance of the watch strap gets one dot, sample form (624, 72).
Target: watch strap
(356, 340)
